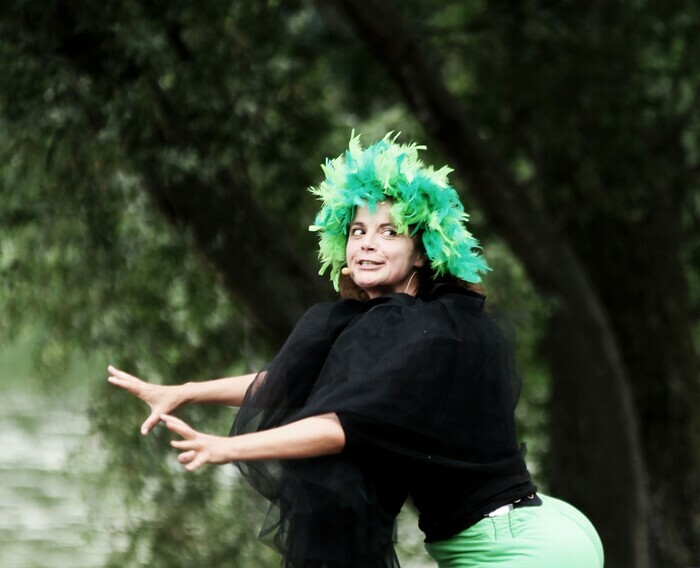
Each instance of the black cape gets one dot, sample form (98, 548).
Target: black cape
(413, 381)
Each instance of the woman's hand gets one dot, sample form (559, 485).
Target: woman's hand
(160, 398)
(197, 449)
(307, 438)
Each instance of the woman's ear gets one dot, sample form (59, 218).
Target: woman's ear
(420, 261)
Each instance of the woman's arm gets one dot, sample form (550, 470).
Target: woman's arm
(307, 438)
(229, 390)
(167, 398)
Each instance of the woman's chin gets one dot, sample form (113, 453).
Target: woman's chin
(367, 287)
(375, 290)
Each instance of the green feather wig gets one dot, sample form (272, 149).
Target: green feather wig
(423, 202)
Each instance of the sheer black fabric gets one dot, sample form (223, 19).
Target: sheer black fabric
(425, 389)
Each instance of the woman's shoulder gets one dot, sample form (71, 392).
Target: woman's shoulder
(440, 299)
(330, 318)
(447, 313)
(444, 303)
(455, 293)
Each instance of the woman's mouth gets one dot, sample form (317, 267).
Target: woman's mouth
(368, 264)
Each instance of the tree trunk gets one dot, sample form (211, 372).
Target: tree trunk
(589, 464)
(273, 282)
(649, 305)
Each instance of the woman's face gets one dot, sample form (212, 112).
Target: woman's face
(380, 260)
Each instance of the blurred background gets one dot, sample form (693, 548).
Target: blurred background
(154, 160)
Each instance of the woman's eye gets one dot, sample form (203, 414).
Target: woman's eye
(390, 232)
(355, 232)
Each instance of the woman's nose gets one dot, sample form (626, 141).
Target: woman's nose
(367, 243)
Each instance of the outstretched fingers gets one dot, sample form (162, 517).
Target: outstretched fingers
(187, 457)
(134, 386)
(185, 444)
(195, 448)
(150, 423)
(161, 399)
(177, 426)
(193, 455)
(192, 460)
(118, 373)
(124, 380)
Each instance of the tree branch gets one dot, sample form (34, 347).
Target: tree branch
(273, 282)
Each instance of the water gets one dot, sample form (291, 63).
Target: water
(45, 519)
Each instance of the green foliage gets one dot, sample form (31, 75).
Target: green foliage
(97, 100)
(93, 97)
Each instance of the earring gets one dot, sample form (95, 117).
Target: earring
(409, 282)
(345, 271)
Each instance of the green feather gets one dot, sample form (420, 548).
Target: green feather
(423, 199)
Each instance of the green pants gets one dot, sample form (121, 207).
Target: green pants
(553, 535)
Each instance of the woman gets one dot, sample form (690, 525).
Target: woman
(405, 388)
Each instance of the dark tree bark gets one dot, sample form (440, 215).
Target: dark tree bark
(649, 306)
(273, 282)
(260, 267)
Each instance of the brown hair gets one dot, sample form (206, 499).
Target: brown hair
(426, 281)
